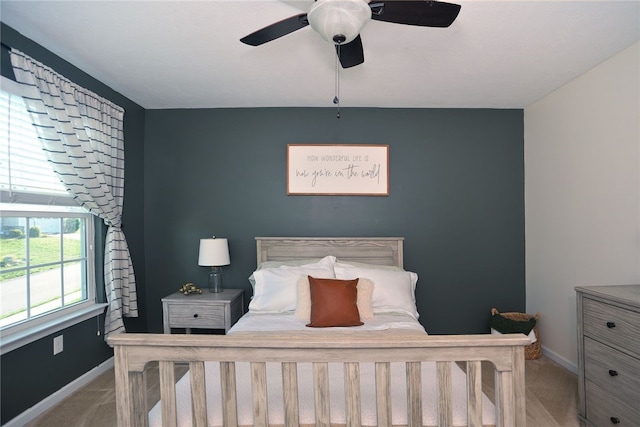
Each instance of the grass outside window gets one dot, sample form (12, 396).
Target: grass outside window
(42, 250)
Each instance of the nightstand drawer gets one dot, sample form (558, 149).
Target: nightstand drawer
(616, 372)
(612, 325)
(208, 310)
(603, 410)
(196, 316)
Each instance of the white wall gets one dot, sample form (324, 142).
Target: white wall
(582, 194)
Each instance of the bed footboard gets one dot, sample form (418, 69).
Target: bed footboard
(134, 351)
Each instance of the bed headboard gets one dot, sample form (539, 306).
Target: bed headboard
(370, 250)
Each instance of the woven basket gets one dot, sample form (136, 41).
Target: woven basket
(531, 351)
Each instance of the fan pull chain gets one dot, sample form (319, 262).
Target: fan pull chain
(336, 98)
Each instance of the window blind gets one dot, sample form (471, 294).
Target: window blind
(25, 174)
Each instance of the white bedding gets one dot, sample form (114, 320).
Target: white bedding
(386, 323)
(286, 322)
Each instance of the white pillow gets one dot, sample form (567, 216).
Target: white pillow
(275, 288)
(393, 291)
(364, 299)
(293, 262)
(339, 263)
(311, 262)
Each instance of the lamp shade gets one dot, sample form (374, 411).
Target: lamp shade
(214, 252)
(332, 18)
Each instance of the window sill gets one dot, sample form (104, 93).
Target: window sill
(12, 341)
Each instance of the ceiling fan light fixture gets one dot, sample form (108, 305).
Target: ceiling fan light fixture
(339, 19)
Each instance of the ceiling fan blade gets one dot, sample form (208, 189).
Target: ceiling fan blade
(351, 54)
(276, 30)
(424, 13)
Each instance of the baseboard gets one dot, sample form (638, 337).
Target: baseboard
(560, 360)
(49, 402)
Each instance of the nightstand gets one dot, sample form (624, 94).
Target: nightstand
(202, 311)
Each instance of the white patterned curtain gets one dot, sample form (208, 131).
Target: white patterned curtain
(83, 137)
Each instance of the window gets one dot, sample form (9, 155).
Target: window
(46, 239)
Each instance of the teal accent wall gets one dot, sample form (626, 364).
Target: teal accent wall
(456, 195)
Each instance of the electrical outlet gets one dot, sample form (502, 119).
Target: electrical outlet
(58, 345)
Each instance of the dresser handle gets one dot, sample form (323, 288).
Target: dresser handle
(611, 324)
(613, 373)
(195, 315)
(615, 420)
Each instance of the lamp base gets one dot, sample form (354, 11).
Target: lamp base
(215, 279)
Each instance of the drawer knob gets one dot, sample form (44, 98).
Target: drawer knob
(611, 324)
(613, 373)
(195, 316)
(615, 420)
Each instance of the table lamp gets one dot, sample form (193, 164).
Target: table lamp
(214, 253)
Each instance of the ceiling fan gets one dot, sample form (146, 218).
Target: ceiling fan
(339, 22)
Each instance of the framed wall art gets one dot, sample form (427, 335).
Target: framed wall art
(342, 169)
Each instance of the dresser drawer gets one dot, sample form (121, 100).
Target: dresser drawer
(196, 316)
(612, 325)
(603, 410)
(616, 372)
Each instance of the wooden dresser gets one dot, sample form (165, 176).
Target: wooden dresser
(609, 355)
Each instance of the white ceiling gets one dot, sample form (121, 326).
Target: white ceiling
(187, 54)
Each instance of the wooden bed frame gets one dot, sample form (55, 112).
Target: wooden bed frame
(506, 352)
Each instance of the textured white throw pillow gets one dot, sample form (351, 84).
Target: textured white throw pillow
(394, 291)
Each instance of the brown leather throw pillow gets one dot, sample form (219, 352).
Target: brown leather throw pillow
(333, 303)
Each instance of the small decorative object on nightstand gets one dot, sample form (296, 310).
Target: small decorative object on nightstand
(214, 253)
(190, 289)
(208, 310)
